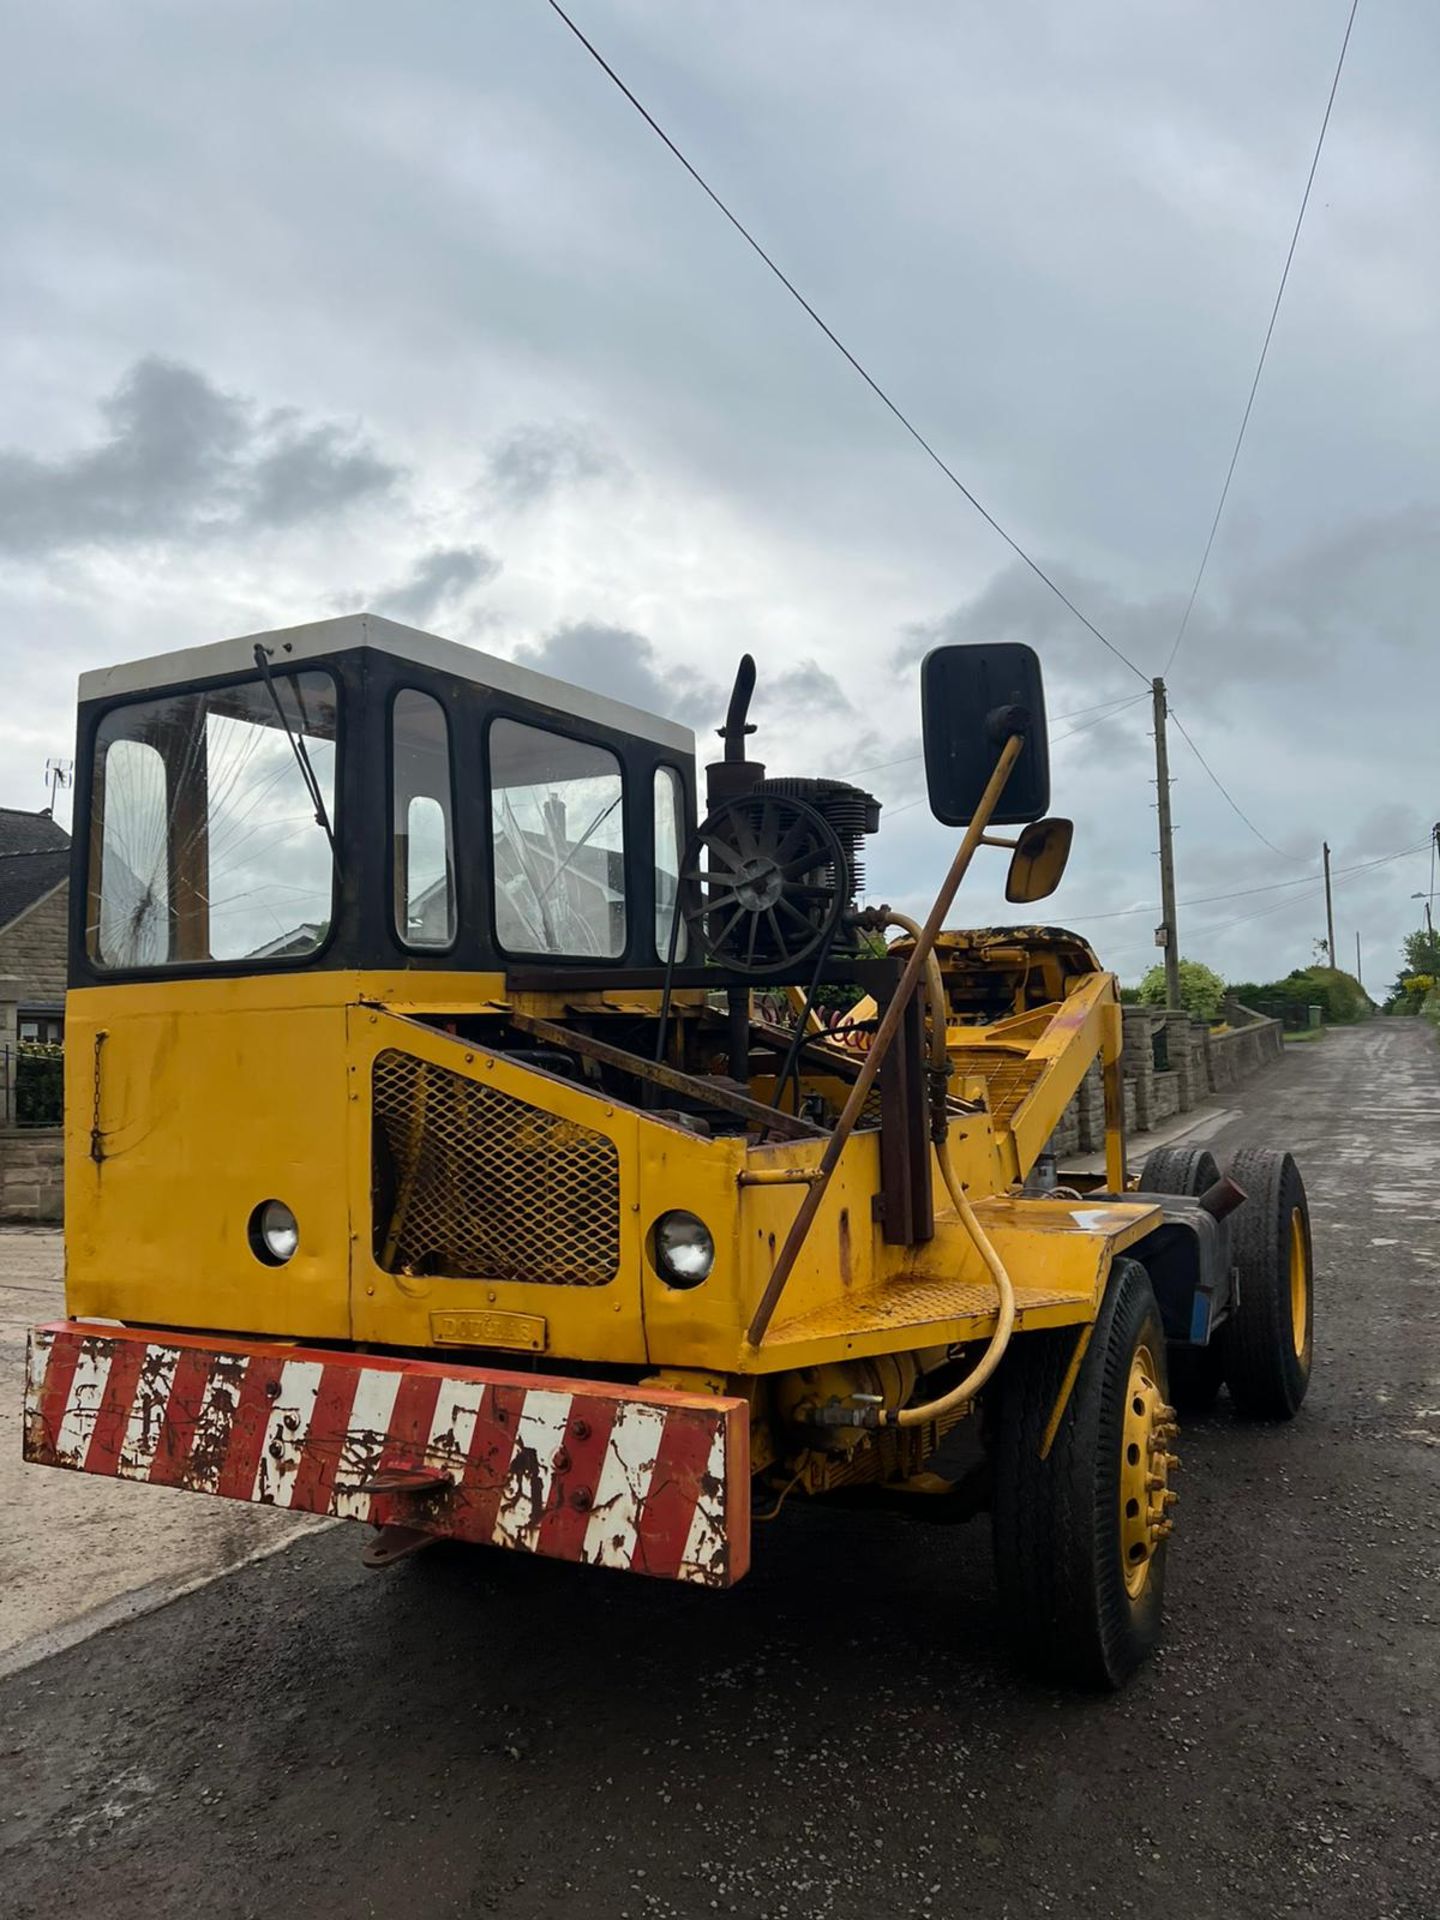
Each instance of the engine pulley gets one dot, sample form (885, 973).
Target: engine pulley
(772, 882)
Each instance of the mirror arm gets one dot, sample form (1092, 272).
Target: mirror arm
(880, 1045)
(994, 840)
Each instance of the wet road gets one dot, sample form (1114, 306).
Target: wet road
(842, 1735)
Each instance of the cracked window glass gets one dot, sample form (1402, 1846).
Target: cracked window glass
(559, 834)
(205, 843)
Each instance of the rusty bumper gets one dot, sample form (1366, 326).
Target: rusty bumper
(645, 1479)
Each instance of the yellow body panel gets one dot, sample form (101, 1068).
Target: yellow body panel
(214, 1095)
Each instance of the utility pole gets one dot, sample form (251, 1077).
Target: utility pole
(1171, 940)
(1329, 910)
(1359, 977)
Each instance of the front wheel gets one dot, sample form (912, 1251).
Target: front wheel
(1080, 1536)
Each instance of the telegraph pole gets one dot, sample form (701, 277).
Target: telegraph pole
(1329, 909)
(1168, 928)
(1360, 979)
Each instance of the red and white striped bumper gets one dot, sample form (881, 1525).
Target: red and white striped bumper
(635, 1477)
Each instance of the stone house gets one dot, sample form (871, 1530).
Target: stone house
(34, 889)
(34, 875)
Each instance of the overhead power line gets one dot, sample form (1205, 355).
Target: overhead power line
(1242, 893)
(1105, 707)
(1265, 345)
(1276, 906)
(840, 346)
(1229, 798)
(1099, 719)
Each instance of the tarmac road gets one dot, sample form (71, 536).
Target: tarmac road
(842, 1735)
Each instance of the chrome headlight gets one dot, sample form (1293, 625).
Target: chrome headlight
(274, 1233)
(684, 1249)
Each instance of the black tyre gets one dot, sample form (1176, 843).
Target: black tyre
(1196, 1373)
(1080, 1535)
(1179, 1170)
(1270, 1337)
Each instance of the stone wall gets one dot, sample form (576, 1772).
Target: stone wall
(1170, 1063)
(1233, 1057)
(32, 1183)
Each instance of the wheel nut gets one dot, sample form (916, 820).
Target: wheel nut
(1171, 1497)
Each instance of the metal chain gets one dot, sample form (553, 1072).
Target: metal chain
(97, 1139)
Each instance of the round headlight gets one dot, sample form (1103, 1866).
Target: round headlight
(684, 1250)
(274, 1233)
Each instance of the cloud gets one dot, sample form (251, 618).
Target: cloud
(311, 473)
(535, 460)
(805, 685)
(628, 666)
(437, 579)
(1058, 261)
(181, 459)
(1359, 589)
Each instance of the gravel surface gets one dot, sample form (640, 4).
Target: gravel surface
(474, 1734)
(78, 1551)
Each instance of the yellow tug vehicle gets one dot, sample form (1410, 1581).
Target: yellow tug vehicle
(437, 1158)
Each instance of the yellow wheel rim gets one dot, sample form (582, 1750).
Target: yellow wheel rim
(1299, 1283)
(1145, 1468)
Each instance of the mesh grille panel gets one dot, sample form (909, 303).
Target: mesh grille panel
(476, 1184)
(1009, 1078)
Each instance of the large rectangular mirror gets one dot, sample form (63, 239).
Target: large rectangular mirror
(971, 699)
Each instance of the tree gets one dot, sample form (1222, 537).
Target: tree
(1419, 970)
(1201, 989)
(1422, 951)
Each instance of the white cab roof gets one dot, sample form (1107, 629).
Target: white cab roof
(292, 645)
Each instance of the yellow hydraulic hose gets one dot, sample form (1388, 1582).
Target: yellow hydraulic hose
(1005, 1324)
(934, 988)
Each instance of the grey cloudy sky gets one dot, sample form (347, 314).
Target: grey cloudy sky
(355, 304)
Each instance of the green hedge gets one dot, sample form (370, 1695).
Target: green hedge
(39, 1086)
(1339, 996)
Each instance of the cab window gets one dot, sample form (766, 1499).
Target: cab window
(558, 827)
(669, 848)
(422, 822)
(207, 842)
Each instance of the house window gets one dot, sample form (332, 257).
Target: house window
(39, 1027)
(422, 822)
(558, 826)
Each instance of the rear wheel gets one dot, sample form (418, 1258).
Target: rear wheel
(1080, 1535)
(1270, 1337)
(1196, 1373)
(1179, 1170)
